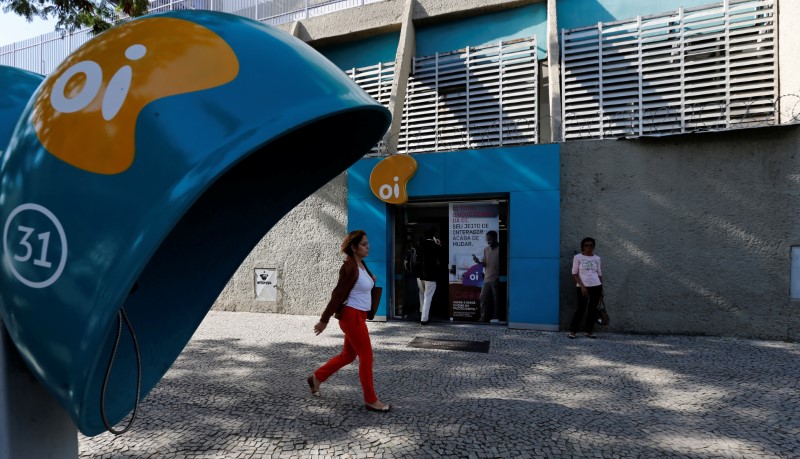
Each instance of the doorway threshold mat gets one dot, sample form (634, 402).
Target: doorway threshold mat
(450, 345)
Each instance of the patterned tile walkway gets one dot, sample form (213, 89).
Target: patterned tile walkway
(239, 391)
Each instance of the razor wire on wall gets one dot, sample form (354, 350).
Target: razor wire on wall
(708, 116)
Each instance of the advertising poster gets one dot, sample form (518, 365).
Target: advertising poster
(469, 223)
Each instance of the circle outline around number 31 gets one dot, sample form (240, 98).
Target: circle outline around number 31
(46, 212)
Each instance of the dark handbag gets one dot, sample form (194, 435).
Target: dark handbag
(602, 314)
(376, 300)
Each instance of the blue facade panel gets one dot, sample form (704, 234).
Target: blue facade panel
(533, 292)
(530, 175)
(430, 177)
(370, 215)
(526, 21)
(379, 269)
(581, 13)
(358, 179)
(534, 223)
(503, 170)
(492, 170)
(363, 53)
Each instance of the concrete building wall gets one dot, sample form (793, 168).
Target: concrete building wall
(519, 22)
(694, 231)
(362, 53)
(387, 16)
(304, 248)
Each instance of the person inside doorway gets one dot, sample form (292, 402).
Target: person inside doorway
(412, 271)
(490, 291)
(431, 265)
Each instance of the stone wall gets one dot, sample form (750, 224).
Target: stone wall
(304, 247)
(695, 231)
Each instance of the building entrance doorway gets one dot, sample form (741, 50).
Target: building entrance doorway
(457, 276)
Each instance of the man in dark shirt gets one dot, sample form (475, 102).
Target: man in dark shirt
(431, 253)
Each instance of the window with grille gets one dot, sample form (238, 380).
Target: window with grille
(705, 68)
(472, 98)
(376, 80)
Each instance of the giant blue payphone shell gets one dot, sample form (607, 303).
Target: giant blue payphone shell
(141, 174)
(17, 87)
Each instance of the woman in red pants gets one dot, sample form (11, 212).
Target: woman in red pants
(352, 297)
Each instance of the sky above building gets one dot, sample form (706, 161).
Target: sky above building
(15, 28)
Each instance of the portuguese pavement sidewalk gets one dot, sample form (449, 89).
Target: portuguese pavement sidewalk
(239, 391)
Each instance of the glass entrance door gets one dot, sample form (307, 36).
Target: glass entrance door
(414, 222)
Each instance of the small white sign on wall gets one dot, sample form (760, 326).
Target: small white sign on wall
(266, 284)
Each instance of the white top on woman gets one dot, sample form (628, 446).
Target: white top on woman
(361, 297)
(588, 268)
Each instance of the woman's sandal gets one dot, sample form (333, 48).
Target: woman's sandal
(310, 380)
(386, 408)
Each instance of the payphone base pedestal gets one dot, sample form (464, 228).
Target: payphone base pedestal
(32, 423)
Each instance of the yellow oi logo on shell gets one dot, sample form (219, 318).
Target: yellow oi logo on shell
(389, 178)
(85, 113)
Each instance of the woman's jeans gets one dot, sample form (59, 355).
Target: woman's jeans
(582, 304)
(356, 343)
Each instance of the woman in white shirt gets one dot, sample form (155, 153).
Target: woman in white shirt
(351, 303)
(588, 275)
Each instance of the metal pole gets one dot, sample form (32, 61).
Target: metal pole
(32, 424)
(554, 75)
